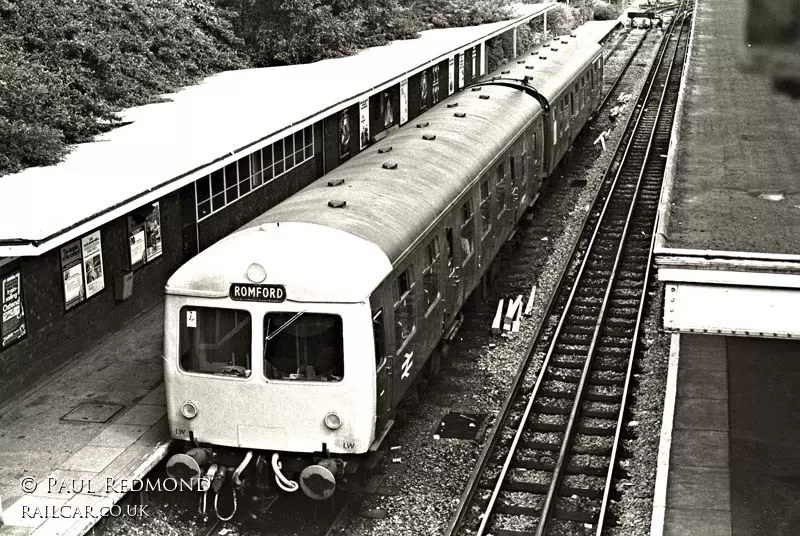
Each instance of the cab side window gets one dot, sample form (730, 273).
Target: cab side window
(378, 336)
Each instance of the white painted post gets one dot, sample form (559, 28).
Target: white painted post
(497, 317)
(545, 25)
(514, 45)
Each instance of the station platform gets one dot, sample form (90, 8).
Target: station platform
(727, 246)
(75, 441)
(729, 459)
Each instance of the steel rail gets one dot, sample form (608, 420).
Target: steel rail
(494, 435)
(629, 372)
(534, 393)
(573, 417)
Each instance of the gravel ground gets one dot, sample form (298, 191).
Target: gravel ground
(427, 473)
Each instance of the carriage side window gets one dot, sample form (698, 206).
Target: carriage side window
(215, 341)
(467, 231)
(303, 346)
(501, 190)
(486, 209)
(430, 276)
(378, 337)
(404, 313)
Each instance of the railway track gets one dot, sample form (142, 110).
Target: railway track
(552, 457)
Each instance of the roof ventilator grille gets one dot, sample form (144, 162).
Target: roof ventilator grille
(423, 125)
(529, 66)
(542, 57)
(390, 165)
(460, 114)
(335, 182)
(520, 62)
(452, 105)
(477, 88)
(505, 72)
(384, 150)
(554, 49)
(337, 203)
(429, 137)
(564, 41)
(484, 97)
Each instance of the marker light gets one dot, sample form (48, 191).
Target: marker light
(332, 421)
(189, 409)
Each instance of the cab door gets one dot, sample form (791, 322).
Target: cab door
(383, 369)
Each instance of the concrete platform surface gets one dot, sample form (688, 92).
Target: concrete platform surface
(733, 439)
(71, 443)
(735, 186)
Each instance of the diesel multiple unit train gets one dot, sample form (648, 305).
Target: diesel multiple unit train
(290, 343)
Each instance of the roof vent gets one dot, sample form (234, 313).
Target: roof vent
(460, 114)
(573, 35)
(542, 57)
(452, 105)
(335, 182)
(529, 66)
(390, 165)
(337, 203)
(505, 72)
(478, 88)
(564, 41)
(384, 150)
(484, 97)
(423, 125)
(554, 49)
(520, 62)
(429, 136)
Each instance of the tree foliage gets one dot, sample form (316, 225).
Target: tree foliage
(66, 66)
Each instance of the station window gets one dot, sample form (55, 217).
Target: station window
(430, 276)
(467, 231)
(224, 186)
(486, 209)
(404, 313)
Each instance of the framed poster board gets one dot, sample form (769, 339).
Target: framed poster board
(12, 326)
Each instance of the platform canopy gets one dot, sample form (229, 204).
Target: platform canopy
(203, 127)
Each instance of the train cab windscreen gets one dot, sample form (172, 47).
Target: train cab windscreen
(303, 346)
(215, 341)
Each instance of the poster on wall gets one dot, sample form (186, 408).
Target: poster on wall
(404, 101)
(451, 81)
(12, 327)
(344, 135)
(473, 73)
(423, 91)
(461, 70)
(93, 263)
(363, 118)
(136, 241)
(386, 109)
(152, 229)
(435, 84)
(72, 271)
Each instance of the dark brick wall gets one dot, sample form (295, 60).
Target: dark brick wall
(55, 335)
